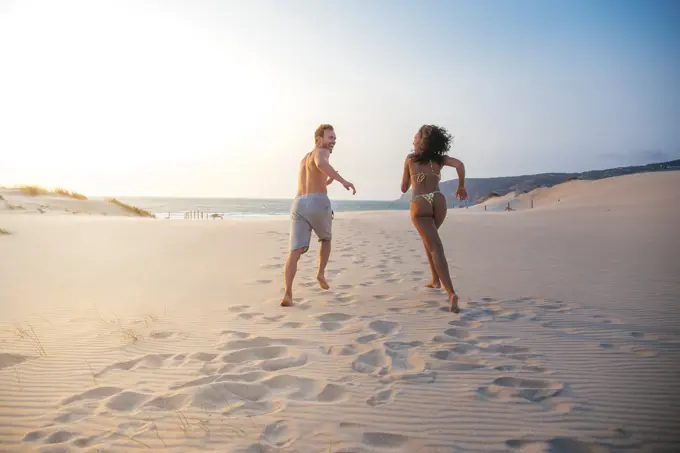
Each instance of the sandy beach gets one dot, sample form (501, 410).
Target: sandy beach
(120, 333)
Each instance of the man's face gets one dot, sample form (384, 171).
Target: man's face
(328, 140)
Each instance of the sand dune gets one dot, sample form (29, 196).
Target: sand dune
(119, 334)
(635, 191)
(15, 201)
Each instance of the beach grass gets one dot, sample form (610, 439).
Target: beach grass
(132, 209)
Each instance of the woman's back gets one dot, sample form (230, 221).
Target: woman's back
(425, 176)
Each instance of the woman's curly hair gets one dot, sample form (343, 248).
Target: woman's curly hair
(435, 142)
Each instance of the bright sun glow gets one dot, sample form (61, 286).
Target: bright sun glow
(100, 90)
(221, 98)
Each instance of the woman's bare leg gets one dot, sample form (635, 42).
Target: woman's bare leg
(439, 214)
(428, 232)
(435, 283)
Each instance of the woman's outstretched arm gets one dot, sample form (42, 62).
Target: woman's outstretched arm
(460, 169)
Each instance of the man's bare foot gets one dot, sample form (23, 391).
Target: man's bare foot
(287, 301)
(322, 282)
(435, 285)
(453, 299)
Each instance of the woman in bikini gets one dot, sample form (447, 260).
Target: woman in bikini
(422, 168)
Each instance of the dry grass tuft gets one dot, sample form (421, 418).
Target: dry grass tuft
(131, 334)
(33, 191)
(66, 193)
(132, 209)
(30, 335)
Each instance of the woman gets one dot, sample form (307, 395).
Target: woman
(423, 168)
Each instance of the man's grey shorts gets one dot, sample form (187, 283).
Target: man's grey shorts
(310, 212)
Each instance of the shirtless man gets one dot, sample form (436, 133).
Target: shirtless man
(311, 209)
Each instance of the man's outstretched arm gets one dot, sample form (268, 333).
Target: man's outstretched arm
(321, 161)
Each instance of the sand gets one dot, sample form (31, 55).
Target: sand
(125, 334)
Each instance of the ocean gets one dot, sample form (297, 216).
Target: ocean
(241, 208)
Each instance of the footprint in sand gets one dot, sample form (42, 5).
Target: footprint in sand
(640, 351)
(333, 321)
(344, 298)
(96, 394)
(557, 445)
(367, 338)
(248, 316)
(218, 395)
(269, 354)
(274, 318)
(454, 359)
(250, 376)
(8, 360)
(455, 335)
(280, 434)
(465, 323)
(335, 272)
(272, 266)
(127, 401)
(504, 349)
(384, 327)
(165, 403)
(383, 362)
(309, 284)
(645, 336)
(306, 389)
(399, 345)
(234, 334)
(151, 361)
(509, 389)
(343, 350)
(384, 440)
(238, 308)
(425, 304)
(291, 325)
(162, 335)
(607, 320)
(382, 397)
(54, 437)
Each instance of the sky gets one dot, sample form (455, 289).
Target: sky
(221, 98)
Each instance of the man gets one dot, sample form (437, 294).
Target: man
(311, 209)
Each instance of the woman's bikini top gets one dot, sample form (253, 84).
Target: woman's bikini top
(420, 177)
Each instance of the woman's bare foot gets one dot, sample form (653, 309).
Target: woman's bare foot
(287, 301)
(453, 307)
(433, 284)
(322, 282)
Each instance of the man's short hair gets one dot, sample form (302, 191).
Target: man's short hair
(321, 130)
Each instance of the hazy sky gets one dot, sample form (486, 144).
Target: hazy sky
(221, 98)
